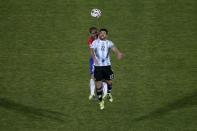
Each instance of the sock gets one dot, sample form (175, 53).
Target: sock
(99, 93)
(92, 86)
(109, 88)
(104, 88)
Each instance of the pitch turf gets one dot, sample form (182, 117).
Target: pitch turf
(44, 65)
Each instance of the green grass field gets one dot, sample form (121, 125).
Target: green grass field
(44, 72)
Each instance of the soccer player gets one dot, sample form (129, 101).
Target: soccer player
(100, 50)
(93, 35)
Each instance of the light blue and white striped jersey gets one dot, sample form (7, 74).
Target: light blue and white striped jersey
(101, 51)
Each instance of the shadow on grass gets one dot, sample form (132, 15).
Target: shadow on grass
(189, 100)
(31, 111)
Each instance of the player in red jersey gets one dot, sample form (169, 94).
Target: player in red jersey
(93, 35)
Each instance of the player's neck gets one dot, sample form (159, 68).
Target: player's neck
(102, 39)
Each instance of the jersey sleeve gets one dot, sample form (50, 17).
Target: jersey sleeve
(93, 45)
(111, 44)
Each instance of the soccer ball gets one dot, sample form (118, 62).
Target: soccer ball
(95, 13)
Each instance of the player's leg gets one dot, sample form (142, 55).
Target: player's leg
(99, 86)
(92, 88)
(104, 89)
(99, 91)
(109, 86)
(92, 82)
(109, 89)
(109, 75)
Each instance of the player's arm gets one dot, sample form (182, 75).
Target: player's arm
(117, 52)
(93, 55)
(90, 51)
(89, 42)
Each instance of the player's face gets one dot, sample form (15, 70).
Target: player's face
(94, 34)
(102, 35)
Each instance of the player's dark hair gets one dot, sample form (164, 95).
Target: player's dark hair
(103, 29)
(92, 28)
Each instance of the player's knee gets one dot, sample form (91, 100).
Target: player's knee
(98, 85)
(92, 76)
(109, 82)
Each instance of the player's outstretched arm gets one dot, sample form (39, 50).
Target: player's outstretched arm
(118, 53)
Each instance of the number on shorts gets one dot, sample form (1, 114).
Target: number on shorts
(111, 76)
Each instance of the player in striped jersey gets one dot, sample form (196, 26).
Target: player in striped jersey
(100, 50)
(93, 35)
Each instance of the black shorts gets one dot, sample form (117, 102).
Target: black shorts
(103, 73)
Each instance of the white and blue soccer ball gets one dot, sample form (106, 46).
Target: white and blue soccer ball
(95, 13)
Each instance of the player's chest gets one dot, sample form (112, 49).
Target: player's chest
(103, 46)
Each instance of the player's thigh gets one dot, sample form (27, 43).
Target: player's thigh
(98, 84)
(108, 73)
(109, 82)
(98, 73)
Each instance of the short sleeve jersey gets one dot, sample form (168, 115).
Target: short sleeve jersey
(101, 50)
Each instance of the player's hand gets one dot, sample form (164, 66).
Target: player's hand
(95, 62)
(120, 56)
